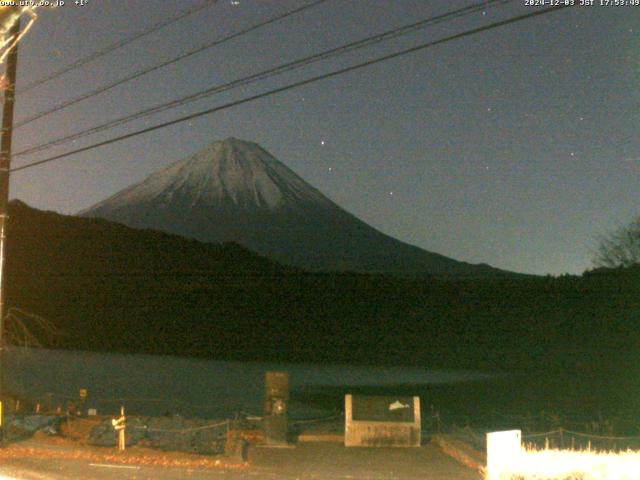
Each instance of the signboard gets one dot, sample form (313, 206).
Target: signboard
(382, 421)
(503, 449)
(383, 409)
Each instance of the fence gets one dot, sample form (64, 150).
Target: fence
(56, 404)
(539, 422)
(570, 440)
(543, 430)
(164, 433)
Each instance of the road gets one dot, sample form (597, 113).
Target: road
(306, 461)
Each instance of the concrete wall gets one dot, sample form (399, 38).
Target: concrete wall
(381, 433)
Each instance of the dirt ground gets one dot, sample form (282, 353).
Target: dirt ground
(56, 458)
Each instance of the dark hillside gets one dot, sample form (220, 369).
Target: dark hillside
(109, 287)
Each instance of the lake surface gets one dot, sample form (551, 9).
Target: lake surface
(153, 385)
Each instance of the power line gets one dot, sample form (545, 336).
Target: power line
(286, 67)
(295, 85)
(153, 68)
(119, 44)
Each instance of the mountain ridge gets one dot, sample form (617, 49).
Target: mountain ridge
(235, 190)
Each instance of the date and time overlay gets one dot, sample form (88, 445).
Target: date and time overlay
(582, 3)
(527, 3)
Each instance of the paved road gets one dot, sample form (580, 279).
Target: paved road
(308, 461)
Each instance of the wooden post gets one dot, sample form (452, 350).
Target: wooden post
(5, 166)
(276, 408)
(119, 426)
(121, 443)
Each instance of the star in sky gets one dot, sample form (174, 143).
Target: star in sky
(530, 118)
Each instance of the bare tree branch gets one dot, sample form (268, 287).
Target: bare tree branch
(620, 248)
(25, 329)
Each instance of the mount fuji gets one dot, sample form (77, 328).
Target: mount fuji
(235, 190)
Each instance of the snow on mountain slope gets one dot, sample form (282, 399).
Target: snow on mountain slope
(228, 172)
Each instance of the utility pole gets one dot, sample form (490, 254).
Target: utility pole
(5, 166)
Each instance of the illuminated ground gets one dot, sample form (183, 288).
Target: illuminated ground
(40, 460)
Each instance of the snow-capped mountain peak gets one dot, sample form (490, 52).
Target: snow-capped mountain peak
(230, 172)
(235, 190)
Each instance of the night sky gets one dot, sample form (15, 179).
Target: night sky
(516, 147)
